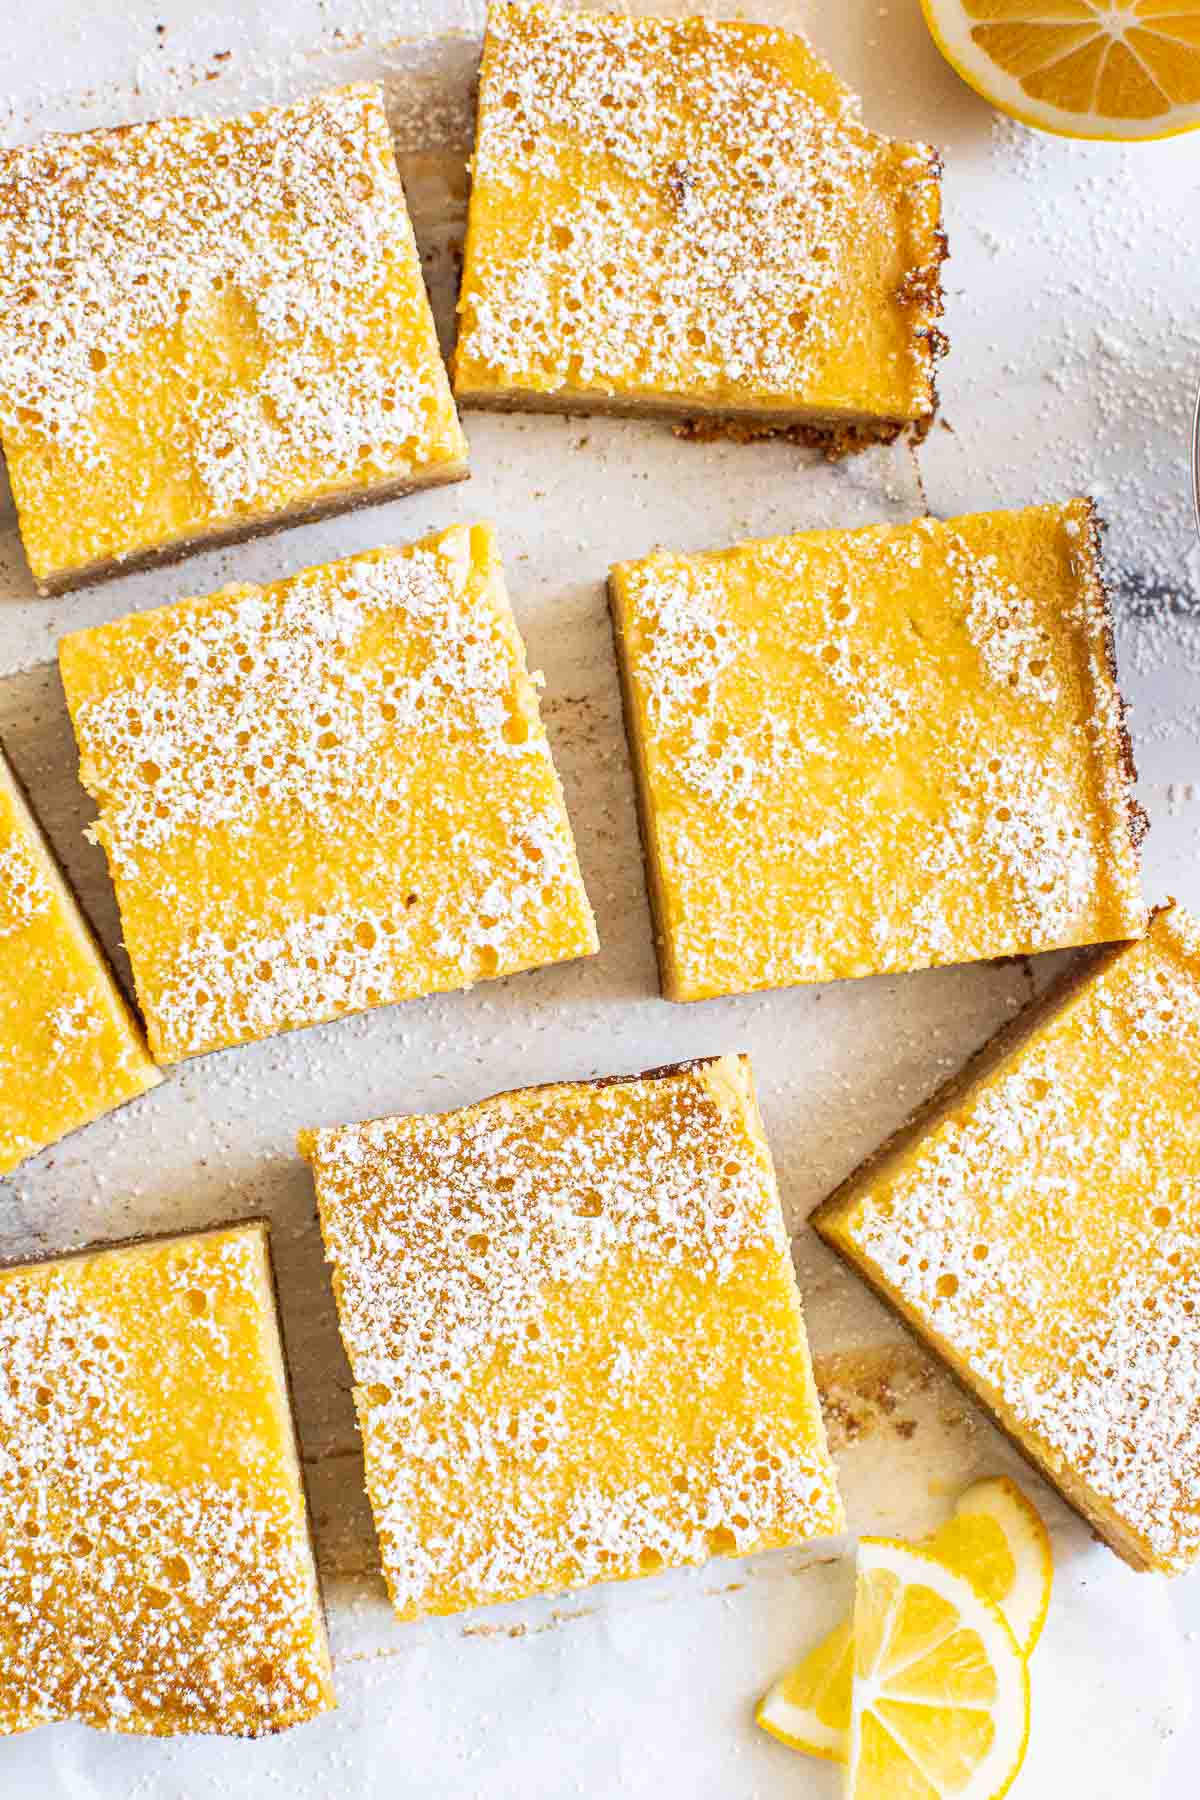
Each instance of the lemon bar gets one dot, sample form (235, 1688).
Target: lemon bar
(210, 327)
(325, 794)
(577, 1346)
(157, 1574)
(1038, 1225)
(70, 1049)
(688, 217)
(893, 747)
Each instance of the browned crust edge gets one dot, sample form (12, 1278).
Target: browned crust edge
(1089, 966)
(135, 1241)
(837, 438)
(305, 513)
(1135, 815)
(642, 800)
(922, 293)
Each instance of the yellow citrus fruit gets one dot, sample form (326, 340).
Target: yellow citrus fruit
(940, 1701)
(995, 1538)
(809, 1707)
(1083, 68)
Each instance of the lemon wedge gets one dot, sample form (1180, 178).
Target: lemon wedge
(940, 1698)
(1124, 69)
(996, 1539)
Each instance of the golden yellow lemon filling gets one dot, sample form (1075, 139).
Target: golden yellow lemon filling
(157, 1572)
(576, 1341)
(325, 794)
(208, 326)
(904, 745)
(70, 1049)
(688, 215)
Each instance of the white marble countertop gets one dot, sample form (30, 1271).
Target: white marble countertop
(1075, 356)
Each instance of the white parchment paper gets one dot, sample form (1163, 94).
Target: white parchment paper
(1071, 320)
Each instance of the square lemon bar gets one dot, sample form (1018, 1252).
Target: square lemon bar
(867, 751)
(577, 1345)
(70, 1048)
(157, 1574)
(325, 794)
(209, 327)
(688, 217)
(1038, 1225)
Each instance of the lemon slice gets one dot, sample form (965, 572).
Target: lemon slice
(995, 1538)
(941, 1691)
(1121, 69)
(809, 1707)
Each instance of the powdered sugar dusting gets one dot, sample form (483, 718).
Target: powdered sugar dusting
(68, 1050)
(1047, 1231)
(526, 1290)
(373, 716)
(264, 271)
(151, 1578)
(932, 703)
(679, 208)
(24, 890)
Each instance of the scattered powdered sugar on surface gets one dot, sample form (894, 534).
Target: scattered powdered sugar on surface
(284, 233)
(1047, 1231)
(791, 707)
(505, 1279)
(313, 715)
(710, 237)
(1090, 247)
(131, 1597)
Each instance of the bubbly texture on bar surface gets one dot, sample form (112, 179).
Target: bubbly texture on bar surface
(155, 1568)
(210, 323)
(576, 1340)
(325, 794)
(70, 1049)
(1040, 1229)
(690, 214)
(904, 745)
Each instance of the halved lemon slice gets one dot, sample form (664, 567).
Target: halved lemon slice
(1083, 68)
(940, 1702)
(995, 1538)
